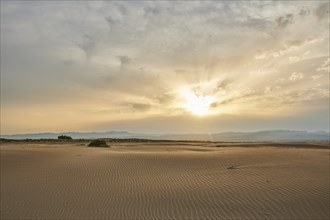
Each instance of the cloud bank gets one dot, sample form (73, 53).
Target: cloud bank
(80, 65)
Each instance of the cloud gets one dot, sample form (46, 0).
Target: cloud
(284, 21)
(124, 60)
(298, 58)
(163, 99)
(67, 62)
(304, 12)
(325, 66)
(111, 21)
(127, 59)
(315, 77)
(140, 106)
(322, 11)
(151, 11)
(87, 45)
(288, 47)
(296, 76)
(126, 107)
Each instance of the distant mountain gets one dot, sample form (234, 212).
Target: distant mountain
(272, 135)
(269, 135)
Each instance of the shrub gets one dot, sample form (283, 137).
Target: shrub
(98, 143)
(64, 137)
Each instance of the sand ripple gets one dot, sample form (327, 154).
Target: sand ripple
(86, 183)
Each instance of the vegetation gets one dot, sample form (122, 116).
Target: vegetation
(64, 137)
(98, 143)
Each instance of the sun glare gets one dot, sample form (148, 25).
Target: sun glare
(198, 105)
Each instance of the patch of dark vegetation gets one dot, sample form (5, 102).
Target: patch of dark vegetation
(64, 137)
(220, 145)
(98, 143)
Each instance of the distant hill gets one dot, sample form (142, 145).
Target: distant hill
(269, 135)
(75, 135)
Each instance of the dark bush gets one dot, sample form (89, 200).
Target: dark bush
(64, 137)
(98, 143)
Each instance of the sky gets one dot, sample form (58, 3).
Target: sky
(164, 66)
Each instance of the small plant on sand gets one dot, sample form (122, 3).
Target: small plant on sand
(98, 143)
(64, 137)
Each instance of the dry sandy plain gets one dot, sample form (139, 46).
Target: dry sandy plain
(165, 181)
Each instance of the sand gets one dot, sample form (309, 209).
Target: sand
(163, 181)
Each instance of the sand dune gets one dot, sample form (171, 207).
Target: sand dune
(160, 181)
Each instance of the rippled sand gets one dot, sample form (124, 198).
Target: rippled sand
(163, 181)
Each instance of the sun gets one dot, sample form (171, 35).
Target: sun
(198, 105)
